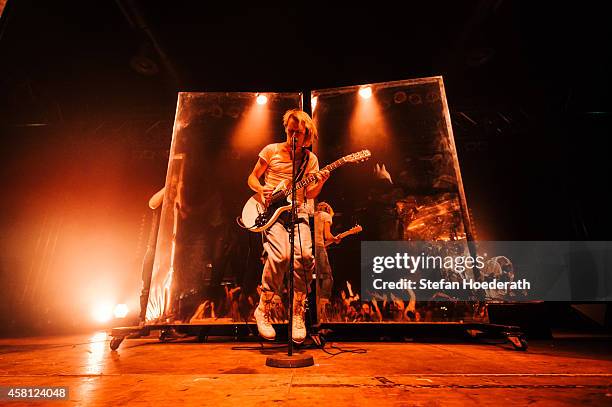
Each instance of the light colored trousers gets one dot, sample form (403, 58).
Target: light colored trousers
(325, 280)
(279, 252)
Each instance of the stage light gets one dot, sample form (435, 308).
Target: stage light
(143, 62)
(399, 96)
(365, 92)
(262, 99)
(103, 312)
(121, 310)
(313, 103)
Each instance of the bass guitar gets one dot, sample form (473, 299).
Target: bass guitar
(352, 231)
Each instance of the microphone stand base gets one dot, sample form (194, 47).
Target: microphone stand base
(284, 361)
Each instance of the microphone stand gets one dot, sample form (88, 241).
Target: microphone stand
(291, 360)
(292, 244)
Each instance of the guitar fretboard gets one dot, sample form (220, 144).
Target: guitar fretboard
(311, 178)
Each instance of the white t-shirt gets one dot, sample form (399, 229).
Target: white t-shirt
(279, 166)
(320, 218)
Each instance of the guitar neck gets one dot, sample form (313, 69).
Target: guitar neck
(311, 178)
(345, 234)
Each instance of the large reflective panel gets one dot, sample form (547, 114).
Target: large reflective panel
(410, 190)
(206, 268)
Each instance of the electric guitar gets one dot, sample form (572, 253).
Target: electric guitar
(352, 231)
(258, 216)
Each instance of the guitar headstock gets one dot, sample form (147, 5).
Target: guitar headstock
(356, 229)
(360, 156)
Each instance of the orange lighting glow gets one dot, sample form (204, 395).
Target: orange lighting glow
(368, 127)
(121, 310)
(254, 128)
(103, 312)
(313, 103)
(262, 99)
(365, 92)
(95, 355)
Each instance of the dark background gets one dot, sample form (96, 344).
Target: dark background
(88, 96)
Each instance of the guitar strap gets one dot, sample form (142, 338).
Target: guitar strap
(302, 168)
(284, 217)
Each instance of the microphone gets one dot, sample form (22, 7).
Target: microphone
(295, 134)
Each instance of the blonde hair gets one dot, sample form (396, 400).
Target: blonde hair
(303, 118)
(325, 207)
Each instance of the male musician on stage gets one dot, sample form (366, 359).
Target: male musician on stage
(275, 164)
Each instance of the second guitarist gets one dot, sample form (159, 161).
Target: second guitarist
(275, 165)
(325, 281)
